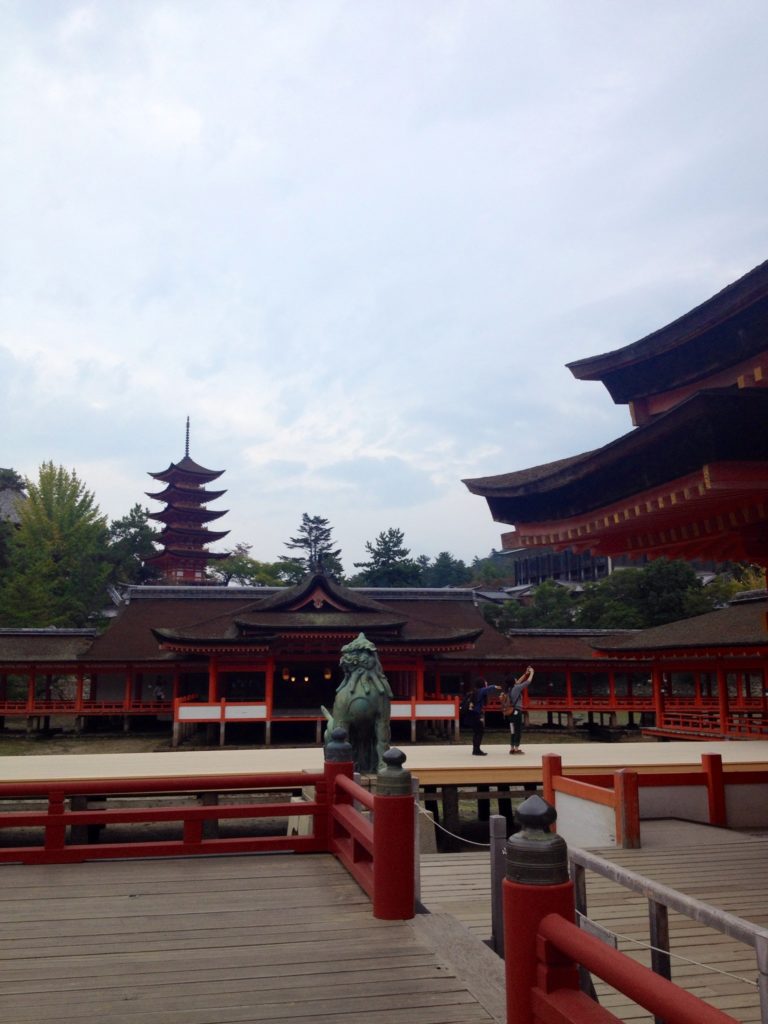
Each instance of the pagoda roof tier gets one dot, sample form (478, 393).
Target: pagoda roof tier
(728, 329)
(187, 469)
(691, 483)
(180, 495)
(738, 630)
(174, 555)
(178, 534)
(172, 514)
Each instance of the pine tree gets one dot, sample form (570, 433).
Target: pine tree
(314, 539)
(390, 564)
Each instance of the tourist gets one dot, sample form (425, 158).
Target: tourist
(473, 710)
(512, 707)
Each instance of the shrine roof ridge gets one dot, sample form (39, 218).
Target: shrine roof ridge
(752, 287)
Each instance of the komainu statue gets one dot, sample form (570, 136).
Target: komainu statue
(362, 705)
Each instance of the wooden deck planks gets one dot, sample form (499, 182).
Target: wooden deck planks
(727, 869)
(213, 941)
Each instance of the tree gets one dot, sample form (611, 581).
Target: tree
(551, 607)
(58, 562)
(662, 591)
(314, 539)
(446, 571)
(245, 571)
(389, 564)
(131, 541)
(488, 572)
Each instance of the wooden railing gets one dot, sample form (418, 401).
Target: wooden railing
(547, 952)
(376, 848)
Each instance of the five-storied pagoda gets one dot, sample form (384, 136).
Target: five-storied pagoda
(185, 531)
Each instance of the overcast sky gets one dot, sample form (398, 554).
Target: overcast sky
(355, 241)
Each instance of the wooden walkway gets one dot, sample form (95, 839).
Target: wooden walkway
(727, 869)
(217, 940)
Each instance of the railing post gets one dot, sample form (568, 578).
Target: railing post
(55, 828)
(626, 793)
(658, 932)
(761, 951)
(498, 838)
(393, 841)
(713, 769)
(338, 761)
(536, 884)
(552, 768)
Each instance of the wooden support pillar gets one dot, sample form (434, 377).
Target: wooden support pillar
(722, 699)
(176, 682)
(483, 804)
(419, 678)
(658, 694)
(451, 820)
(79, 683)
(213, 680)
(128, 688)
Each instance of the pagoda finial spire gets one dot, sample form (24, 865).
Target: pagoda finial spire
(186, 442)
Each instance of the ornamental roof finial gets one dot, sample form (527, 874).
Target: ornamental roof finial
(186, 443)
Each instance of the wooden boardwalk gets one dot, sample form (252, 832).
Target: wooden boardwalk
(213, 941)
(727, 869)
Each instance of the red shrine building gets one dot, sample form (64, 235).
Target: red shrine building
(689, 481)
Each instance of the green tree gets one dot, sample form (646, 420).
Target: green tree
(446, 571)
(132, 540)
(390, 564)
(488, 572)
(58, 564)
(314, 539)
(245, 571)
(662, 591)
(551, 607)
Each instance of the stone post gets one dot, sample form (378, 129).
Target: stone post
(536, 884)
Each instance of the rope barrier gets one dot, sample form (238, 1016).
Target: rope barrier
(675, 956)
(428, 814)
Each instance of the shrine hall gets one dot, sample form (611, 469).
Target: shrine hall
(689, 481)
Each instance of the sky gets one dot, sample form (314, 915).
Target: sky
(357, 241)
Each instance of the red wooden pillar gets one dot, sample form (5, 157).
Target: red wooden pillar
(713, 769)
(31, 691)
(658, 694)
(420, 678)
(128, 689)
(722, 699)
(627, 808)
(536, 885)
(213, 679)
(552, 768)
(79, 690)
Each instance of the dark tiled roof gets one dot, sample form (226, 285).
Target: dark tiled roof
(742, 624)
(44, 645)
(721, 332)
(718, 425)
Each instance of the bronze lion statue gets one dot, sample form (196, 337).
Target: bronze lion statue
(362, 705)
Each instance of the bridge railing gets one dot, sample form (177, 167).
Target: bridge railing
(372, 834)
(546, 950)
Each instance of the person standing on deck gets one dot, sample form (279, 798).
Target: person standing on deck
(473, 709)
(512, 707)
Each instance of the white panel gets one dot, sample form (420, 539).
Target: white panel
(746, 805)
(687, 802)
(199, 713)
(246, 712)
(400, 710)
(582, 823)
(434, 711)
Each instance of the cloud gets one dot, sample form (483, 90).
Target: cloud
(357, 242)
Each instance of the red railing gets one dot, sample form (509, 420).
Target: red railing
(378, 851)
(545, 948)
